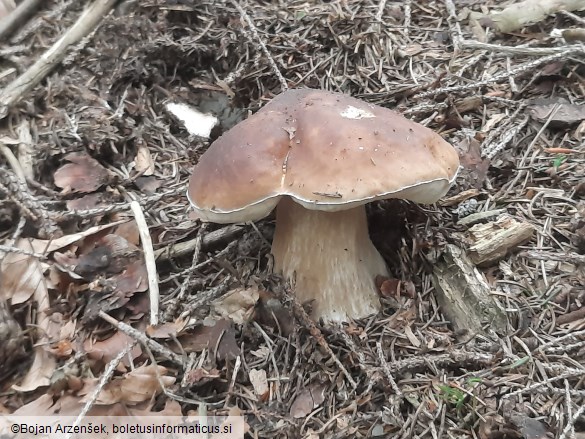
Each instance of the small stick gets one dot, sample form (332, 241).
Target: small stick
(142, 338)
(15, 19)
(110, 369)
(407, 17)
(149, 260)
(13, 162)
(455, 29)
(508, 50)
(386, 370)
(263, 47)
(571, 423)
(302, 316)
(179, 249)
(88, 20)
(521, 69)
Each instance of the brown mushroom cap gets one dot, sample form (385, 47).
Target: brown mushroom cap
(327, 151)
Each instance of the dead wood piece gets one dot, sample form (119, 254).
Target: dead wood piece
(86, 23)
(475, 218)
(521, 14)
(182, 248)
(541, 255)
(490, 242)
(464, 295)
(16, 18)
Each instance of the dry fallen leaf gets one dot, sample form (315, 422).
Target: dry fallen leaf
(475, 167)
(167, 330)
(84, 174)
(136, 386)
(148, 184)
(106, 350)
(260, 383)
(557, 111)
(89, 201)
(219, 333)
(237, 305)
(309, 399)
(143, 161)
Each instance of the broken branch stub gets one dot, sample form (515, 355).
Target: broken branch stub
(492, 241)
(464, 295)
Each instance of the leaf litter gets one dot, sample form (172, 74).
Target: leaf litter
(102, 137)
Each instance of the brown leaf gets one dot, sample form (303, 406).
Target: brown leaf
(149, 185)
(106, 350)
(133, 280)
(207, 337)
(236, 305)
(84, 174)
(89, 201)
(558, 110)
(42, 406)
(166, 330)
(475, 167)
(22, 275)
(308, 400)
(136, 386)
(143, 161)
(201, 375)
(390, 288)
(269, 311)
(40, 373)
(129, 231)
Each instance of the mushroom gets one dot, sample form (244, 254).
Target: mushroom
(318, 158)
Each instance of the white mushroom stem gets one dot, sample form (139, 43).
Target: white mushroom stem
(330, 259)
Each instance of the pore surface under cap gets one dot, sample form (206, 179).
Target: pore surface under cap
(327, 151)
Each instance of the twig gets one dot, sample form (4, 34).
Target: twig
(454, 27)
(570, 335)
(170, 311)
(508, 50)
(387, 371)
(183, 248)
(302, 316)
(203, 298)
(15, 19)
(149, 259)
(573, 16)
(541, 255)
(142, 338)
(114, 207)
(254, 31)
(455, 358)
(16, 90)
(105, 378)
(571, 422)
(522, 68)
(407, 16)
(8, 249)
(18, 192)
(12, 161)
(491, 150)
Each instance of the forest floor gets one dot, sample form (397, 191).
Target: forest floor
(94, 148)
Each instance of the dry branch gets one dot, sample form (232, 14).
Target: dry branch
(149, 259)
(521, 14)
(86, 23)
(464, 294)
(16, 18)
